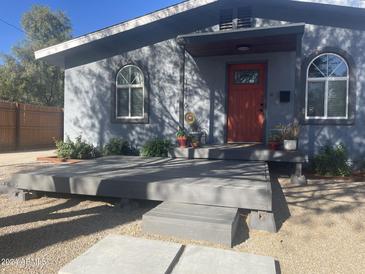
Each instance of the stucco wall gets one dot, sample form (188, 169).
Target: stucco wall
(352, 42)
(89, 90)
(353, 136)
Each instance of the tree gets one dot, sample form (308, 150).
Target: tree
(24, 79)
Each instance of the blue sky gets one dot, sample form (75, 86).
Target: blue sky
(86, 16)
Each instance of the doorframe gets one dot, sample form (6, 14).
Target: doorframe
(266, 95)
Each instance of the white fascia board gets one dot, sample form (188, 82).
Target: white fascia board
(345, 3)
(125, 26)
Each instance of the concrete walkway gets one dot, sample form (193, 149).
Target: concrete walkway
(123, 254)
(23, 157)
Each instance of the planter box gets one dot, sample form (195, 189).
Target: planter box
(56, 160)
(290, 145)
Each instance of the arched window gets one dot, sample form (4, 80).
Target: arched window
(327, 88)
(130, 93)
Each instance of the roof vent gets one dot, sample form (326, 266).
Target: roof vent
(244, 17)
(226, 19)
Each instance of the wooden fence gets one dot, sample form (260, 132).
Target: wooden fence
(24, 126)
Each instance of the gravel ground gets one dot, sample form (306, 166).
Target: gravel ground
(324, 234)
(23, 157)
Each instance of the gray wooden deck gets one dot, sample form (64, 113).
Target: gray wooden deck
(207, 182)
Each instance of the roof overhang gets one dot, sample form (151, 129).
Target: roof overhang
(51, 53)
(257, 40)
(57, 54)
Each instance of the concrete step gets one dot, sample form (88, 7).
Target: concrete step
(249, 153)
(193, 222)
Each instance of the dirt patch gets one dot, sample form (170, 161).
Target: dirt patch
(355, 177)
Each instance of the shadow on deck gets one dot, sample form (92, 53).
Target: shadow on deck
(240, 184)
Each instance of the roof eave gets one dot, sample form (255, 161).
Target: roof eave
(122, 27)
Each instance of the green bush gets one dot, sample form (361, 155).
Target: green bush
(117, 146)
(156, 148)
(332, 161)
(79, 149)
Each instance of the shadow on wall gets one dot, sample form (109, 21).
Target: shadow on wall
(90, 90)
(89, 86)
(204, 97)
(352, 42)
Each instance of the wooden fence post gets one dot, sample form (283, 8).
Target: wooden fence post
(17, 126)
(62, 124)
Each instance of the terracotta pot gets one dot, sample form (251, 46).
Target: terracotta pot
(195, 144)
(274, 145)
(182, 141)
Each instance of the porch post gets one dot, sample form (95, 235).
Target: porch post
(182, 84)
(298, 177)
(298, 71)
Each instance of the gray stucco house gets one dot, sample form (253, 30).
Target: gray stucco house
(241, 66)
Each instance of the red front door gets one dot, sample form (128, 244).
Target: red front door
(246, 103)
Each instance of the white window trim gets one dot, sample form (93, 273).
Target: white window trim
(326, 80)
(129, 87)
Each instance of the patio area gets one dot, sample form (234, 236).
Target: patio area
(219, 183)
(325, 228)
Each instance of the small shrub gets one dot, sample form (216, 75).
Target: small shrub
(181, 133)
(156, 148)
(332, 161)
(117, 146)
(290, 131)
(64, 149)
(76, 150)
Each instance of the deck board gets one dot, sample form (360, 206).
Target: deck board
(221, 183)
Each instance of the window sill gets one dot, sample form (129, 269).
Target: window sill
(337, 121)
(143, 120)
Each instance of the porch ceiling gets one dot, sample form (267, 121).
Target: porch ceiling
(258, 40)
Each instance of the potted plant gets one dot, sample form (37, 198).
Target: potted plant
(195, 143)
(181, 137)
(290, 134)
(274, 141)
(191, 120)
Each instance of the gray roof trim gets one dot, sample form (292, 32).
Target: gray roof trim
(252, 32)
(122, 27)
(158, 15)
